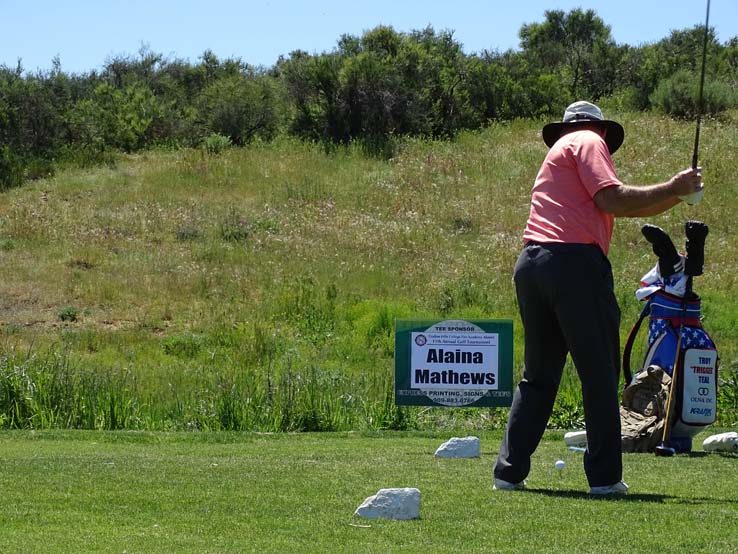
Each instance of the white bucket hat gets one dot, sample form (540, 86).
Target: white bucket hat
(585, 113)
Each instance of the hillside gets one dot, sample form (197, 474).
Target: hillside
(217, 290)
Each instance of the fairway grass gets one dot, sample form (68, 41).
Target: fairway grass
(79, 491)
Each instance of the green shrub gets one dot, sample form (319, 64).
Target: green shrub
(241, 108)
(70, 313)
(679, 96)
(622, 100)
(12, 168)
(115, 118)
(216, 143)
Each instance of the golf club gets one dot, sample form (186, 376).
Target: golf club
(702, 86)
(664, 448)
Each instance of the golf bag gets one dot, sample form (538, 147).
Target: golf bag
(672, 309)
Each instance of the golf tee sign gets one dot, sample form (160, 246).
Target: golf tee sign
(453, 363)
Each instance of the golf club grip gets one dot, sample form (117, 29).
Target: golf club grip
(695, 154)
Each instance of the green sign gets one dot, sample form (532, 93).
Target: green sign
(453, 363)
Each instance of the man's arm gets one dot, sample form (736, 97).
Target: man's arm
(629, 201)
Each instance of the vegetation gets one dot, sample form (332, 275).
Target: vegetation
(256, 288)
(224, 247)
(369, 90)
(226, 492)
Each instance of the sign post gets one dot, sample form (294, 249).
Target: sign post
(453, 363)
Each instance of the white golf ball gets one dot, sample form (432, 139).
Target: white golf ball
(560, 464)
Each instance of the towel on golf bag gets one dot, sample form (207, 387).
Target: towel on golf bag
(643, 409)
(653, 281)
(695, 396)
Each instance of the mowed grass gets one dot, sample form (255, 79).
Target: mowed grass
(187, 289)
(217, 492)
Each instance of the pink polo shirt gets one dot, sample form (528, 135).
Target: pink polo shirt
(562, 207)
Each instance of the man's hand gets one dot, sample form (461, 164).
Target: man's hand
(687, 183)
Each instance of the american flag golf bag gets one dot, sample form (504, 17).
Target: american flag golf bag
(672, 307)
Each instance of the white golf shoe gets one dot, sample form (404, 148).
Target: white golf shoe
(501, 485)
(618, 489)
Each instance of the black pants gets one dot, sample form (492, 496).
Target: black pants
(567, 305)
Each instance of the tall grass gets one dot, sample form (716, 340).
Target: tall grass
(256, 288)
(46, 391)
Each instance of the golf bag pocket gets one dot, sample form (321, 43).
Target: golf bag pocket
(697, 396)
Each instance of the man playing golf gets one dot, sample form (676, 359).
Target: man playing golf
(564, 287)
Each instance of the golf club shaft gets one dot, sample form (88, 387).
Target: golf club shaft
(695, 154)
(672, 388)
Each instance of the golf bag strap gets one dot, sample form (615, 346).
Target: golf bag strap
(629, 343)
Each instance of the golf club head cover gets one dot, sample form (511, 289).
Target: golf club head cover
(696, 232)
(663, 247)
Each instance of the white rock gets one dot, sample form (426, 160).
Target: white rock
(722, 442)
(391, 504)
(456, 447)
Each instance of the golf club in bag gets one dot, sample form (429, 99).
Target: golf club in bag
(678, 345)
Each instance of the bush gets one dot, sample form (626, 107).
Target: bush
(70, 313)
(12, 168)
(241, 108)
(622, 100)
(679, 94)
(380, 86)
(215, 144)
(115, 118)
